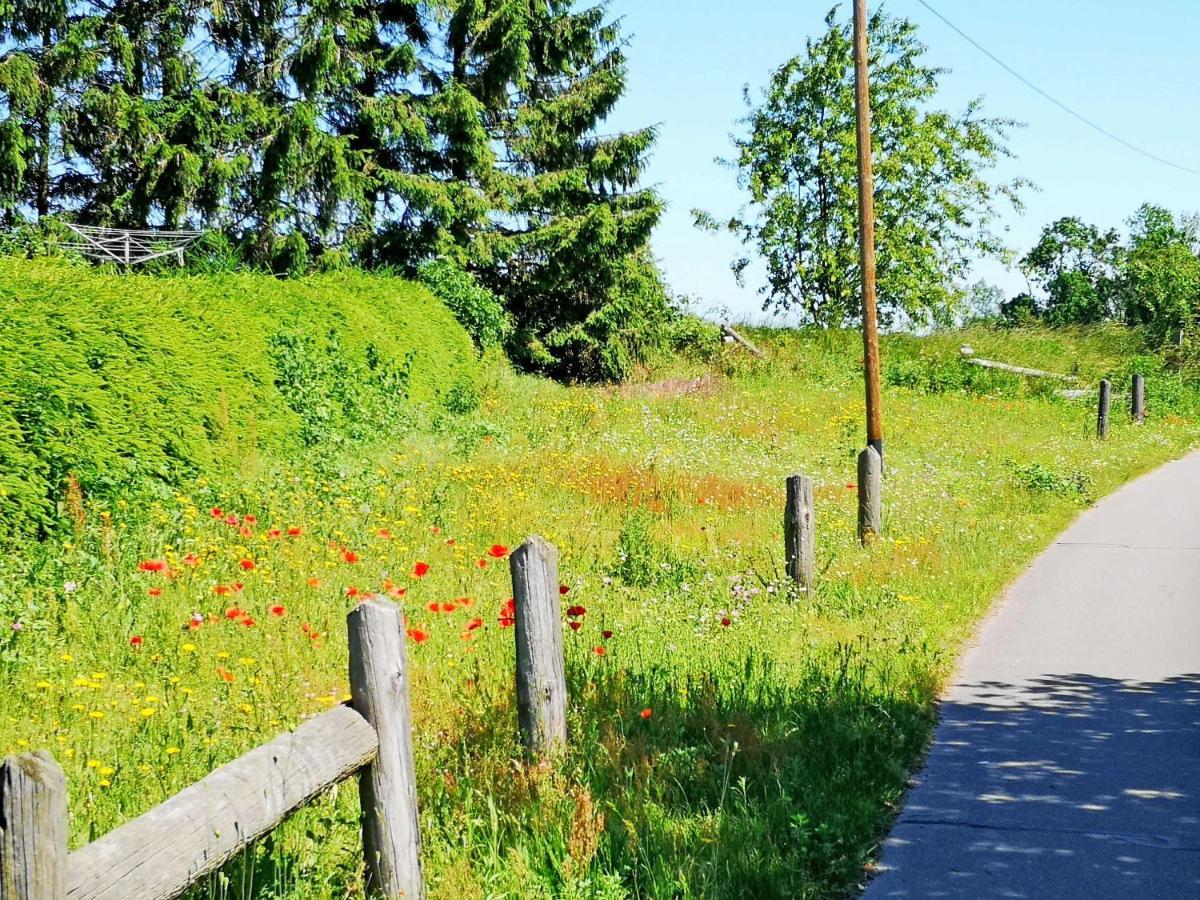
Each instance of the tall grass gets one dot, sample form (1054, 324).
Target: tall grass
(732, 739)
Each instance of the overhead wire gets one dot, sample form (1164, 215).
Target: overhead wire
(1082, 118)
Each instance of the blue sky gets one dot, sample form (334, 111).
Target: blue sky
(1130, 67)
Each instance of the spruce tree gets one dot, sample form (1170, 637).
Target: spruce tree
(529, 84)
(48, 50)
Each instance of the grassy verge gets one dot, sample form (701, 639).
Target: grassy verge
(780, 727)
(114, 383)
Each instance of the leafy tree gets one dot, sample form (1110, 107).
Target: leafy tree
(1160, 273)
(1075, 266)
(798, 163)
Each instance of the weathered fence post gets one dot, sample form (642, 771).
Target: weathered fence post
(870, 494)
(798, 530)
(33, 828)
(1102, 409)
(387, 787)
(541, 679)
(1137, 403)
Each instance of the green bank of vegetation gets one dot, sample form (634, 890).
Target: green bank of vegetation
(117, 385)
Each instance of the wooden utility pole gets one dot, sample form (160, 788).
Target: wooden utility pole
(866, 230)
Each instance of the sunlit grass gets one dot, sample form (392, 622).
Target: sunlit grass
(780, 726)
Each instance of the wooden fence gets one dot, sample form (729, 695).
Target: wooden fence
(162, 853)
(168, 849)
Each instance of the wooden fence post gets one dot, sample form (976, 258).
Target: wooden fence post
(1137, 405)
(870, 494)
(541, 679)
(33, 828)
(387, 787)
(1102, 409)
(798, 530)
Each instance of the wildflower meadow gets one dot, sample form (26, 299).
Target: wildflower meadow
(729, 735)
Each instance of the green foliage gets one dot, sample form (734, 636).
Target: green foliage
(798, 164)
(1038, 478)
(477, 309)
(1086, 276)
(1075, 265)
(124, 380)
(1160, 273)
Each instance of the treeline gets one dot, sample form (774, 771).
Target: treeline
(1080, 274)
(312, 133)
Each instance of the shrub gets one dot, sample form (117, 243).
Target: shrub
(477, 309)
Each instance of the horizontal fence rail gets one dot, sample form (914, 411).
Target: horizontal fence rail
(165, 851)
(162, 853)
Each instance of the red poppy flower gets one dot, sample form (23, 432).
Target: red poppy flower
(435, 529)
(238, 586)
(231, 520)
(153, 565)
(606, 634)
(418, 636)
(508, 613)
(420, 570)
(248, 622)
(563, 589)
(726, 621)
(155, 592)
(222, 590)
(575, 626)
(216, 512)
(482, 563)
(599, 651)
(397, 592)
(278, 610)
(274, 534)
(349, 556)
(497, 551)
(465, 602)
(234, 613)
(245, 531)
(314, 582)
(474, 623)
(352, 591)
(191, 560)
(250, 520)
(647, 713)
(576, 611)
(385, 534)
(450, 542)
(247, 565)
(136, 641)
(225, 674)
(294, 531)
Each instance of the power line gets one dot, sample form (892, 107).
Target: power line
(1082, 118)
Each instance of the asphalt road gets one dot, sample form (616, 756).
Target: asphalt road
(1067, 760)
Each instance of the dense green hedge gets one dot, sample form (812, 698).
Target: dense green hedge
(113, 378)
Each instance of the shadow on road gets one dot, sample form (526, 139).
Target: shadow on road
(1062, 786)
